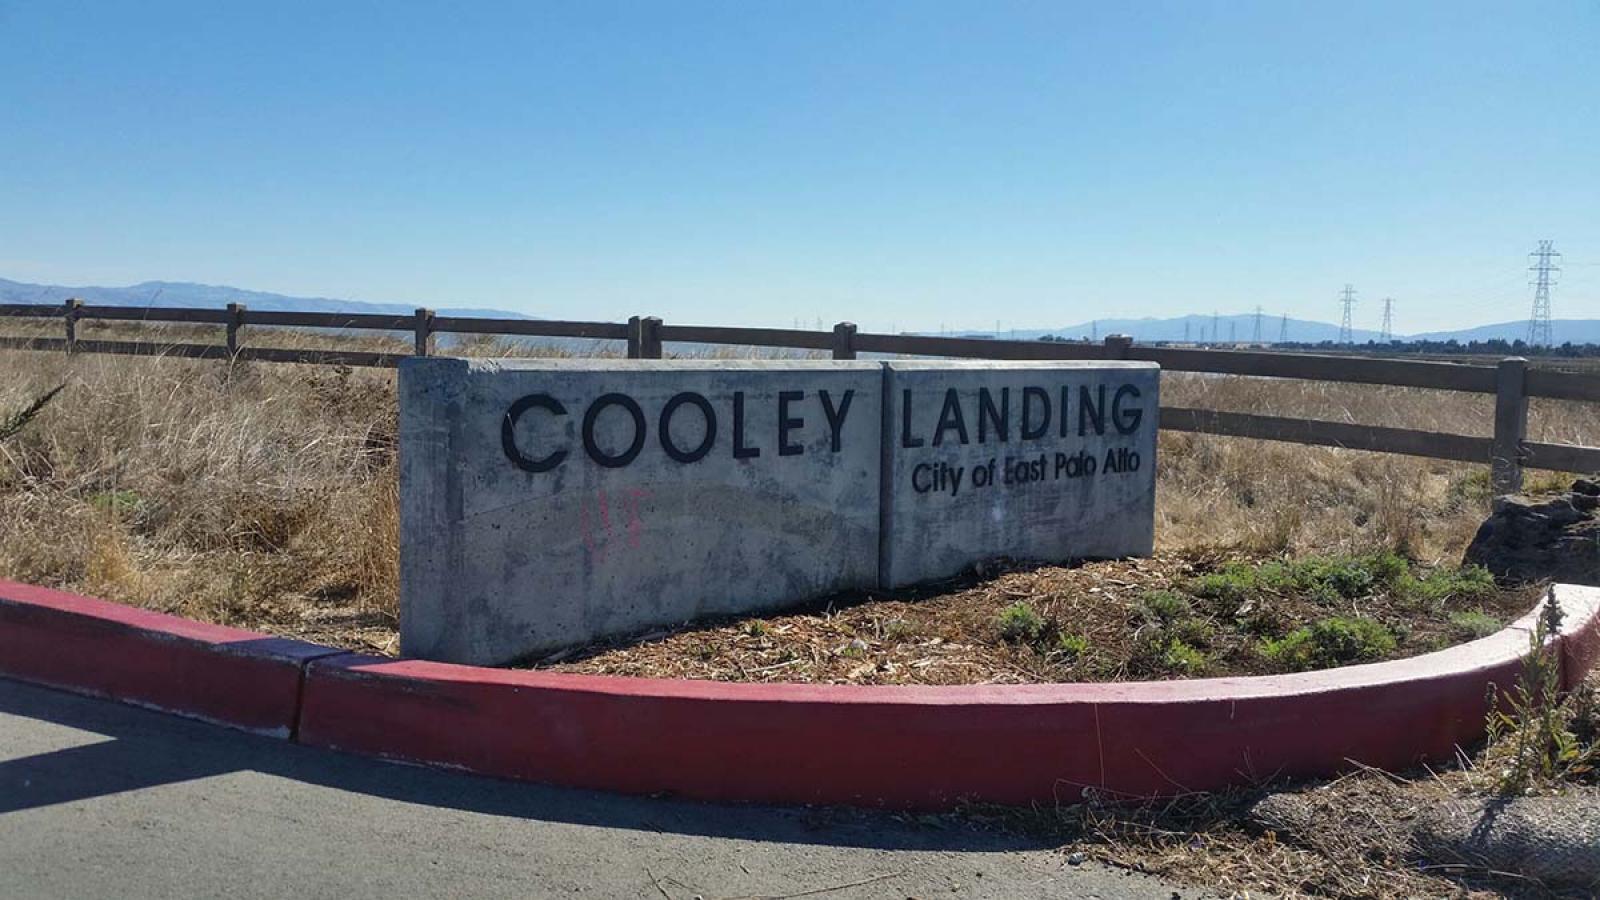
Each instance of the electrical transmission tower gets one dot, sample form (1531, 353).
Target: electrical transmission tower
(1216, 334)
(1186, 331)
(1348, 298)
(1256, 336)
(1539, 332)
(1388, 319)
(1283, 329)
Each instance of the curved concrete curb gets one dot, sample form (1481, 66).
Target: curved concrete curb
(899, 746)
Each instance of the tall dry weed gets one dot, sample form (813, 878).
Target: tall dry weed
(251, 492)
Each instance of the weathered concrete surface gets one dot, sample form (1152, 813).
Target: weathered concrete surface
(1018, 460)
(103, 800)
(541, 505)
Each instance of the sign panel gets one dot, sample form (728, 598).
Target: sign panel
(548, 503)
(1031, 461)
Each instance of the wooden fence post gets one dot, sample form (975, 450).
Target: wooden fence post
(70, 311)
(423, 338)
(1510, 426)
(644, 337)
(635, 336)
(235, 322)
(844, 340)
(1117, 346)
(650, 337)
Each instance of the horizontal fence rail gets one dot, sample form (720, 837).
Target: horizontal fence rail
(1434, 445)
(1511, 382)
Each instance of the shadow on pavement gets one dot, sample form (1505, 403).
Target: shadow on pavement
(146, 749)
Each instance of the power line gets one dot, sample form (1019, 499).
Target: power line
(1348, 298)
(1388, 319)
(1539, 331)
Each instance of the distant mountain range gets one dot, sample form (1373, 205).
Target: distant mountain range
(166, 294)
(1201, 328)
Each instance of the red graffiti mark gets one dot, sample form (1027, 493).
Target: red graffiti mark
(635, 521)
(597, 541)
(596, 549)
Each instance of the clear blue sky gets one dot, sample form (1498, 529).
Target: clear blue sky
(749, 162)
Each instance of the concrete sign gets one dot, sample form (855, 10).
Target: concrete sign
(548, 503)
(1033, 461)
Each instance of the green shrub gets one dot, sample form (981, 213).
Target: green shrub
(1071, 646)
(1468, 584)
(1165, 606)
(1020, 623)
(1470, 626)
(1331, 642)
(1232, 585)
(898, 630)
(1180, 657)
(1192, 630)
(1332, 578)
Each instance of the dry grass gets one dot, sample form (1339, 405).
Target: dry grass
(264, 495)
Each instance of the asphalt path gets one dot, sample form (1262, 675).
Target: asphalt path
(99, 799)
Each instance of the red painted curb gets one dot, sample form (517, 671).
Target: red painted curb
(916, 747)
(1580, 632)
(224, 675)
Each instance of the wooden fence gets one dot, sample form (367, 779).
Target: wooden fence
(1512, 382)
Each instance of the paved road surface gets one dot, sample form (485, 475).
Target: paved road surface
(102, 800)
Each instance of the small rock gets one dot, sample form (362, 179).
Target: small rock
(1077, 858)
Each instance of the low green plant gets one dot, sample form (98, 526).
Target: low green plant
(1327, 579)
(1468, 584)
(1020, 623)
(1071, 646)
(1232, 585)
(898, 629)
(1164, 606)
(1193, 630)
(1472, 625)
(1330, 642)
(1180, 657)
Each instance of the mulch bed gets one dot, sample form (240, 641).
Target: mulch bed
(1095, 625)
